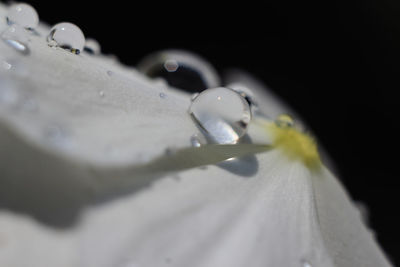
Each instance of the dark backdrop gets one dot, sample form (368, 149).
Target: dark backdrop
(336, 63)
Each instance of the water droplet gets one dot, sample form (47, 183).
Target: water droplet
(181, 69)
(92, 47)
(195, 141)
(222, 114)
(110, 73)
(24, 15)
(16, 37)
(101, 93)
(305, 263)
(67, 36)
(284, 120)
(162, 95)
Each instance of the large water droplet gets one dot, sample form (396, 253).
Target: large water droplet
(222, 114)
(92, 47)
(16, 37)
(24, 15)
(181, 69)
(68, 36)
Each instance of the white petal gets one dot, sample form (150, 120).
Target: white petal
(101, 129)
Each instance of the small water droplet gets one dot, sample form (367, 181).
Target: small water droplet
(195, 141)
(67, 36)
(16, 37)
(24, 15)
(305, 263)
(171, 65)
(162, 95)
(284, 120)
(110, 73)
(101, 93)
(222, 114)
(92, 47)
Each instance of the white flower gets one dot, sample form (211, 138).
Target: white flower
(85, 179)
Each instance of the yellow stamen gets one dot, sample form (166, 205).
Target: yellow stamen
(294, 143)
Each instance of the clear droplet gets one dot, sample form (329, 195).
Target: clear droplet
(24, 15)
(92, 47)
(195, 141)
(67, 36)
(222, 114)
(16, 37)
(181, 69)
(110, 73)
(284, 120)
(163, 95)
(101, 93)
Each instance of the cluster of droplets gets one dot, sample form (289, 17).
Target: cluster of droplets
(222, 114)
(22, 20)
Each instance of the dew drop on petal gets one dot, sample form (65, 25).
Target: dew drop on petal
(222, 114)
(24, 15)
(16, 37)
(67, 36)
(101, 93)
(195, 141)
(110, 73)
(163, 95)
(92, 47)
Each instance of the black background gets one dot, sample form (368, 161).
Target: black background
(336, 63)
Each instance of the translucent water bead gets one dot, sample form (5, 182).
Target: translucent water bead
(68, 36)
(222, 114)
(24, 15)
